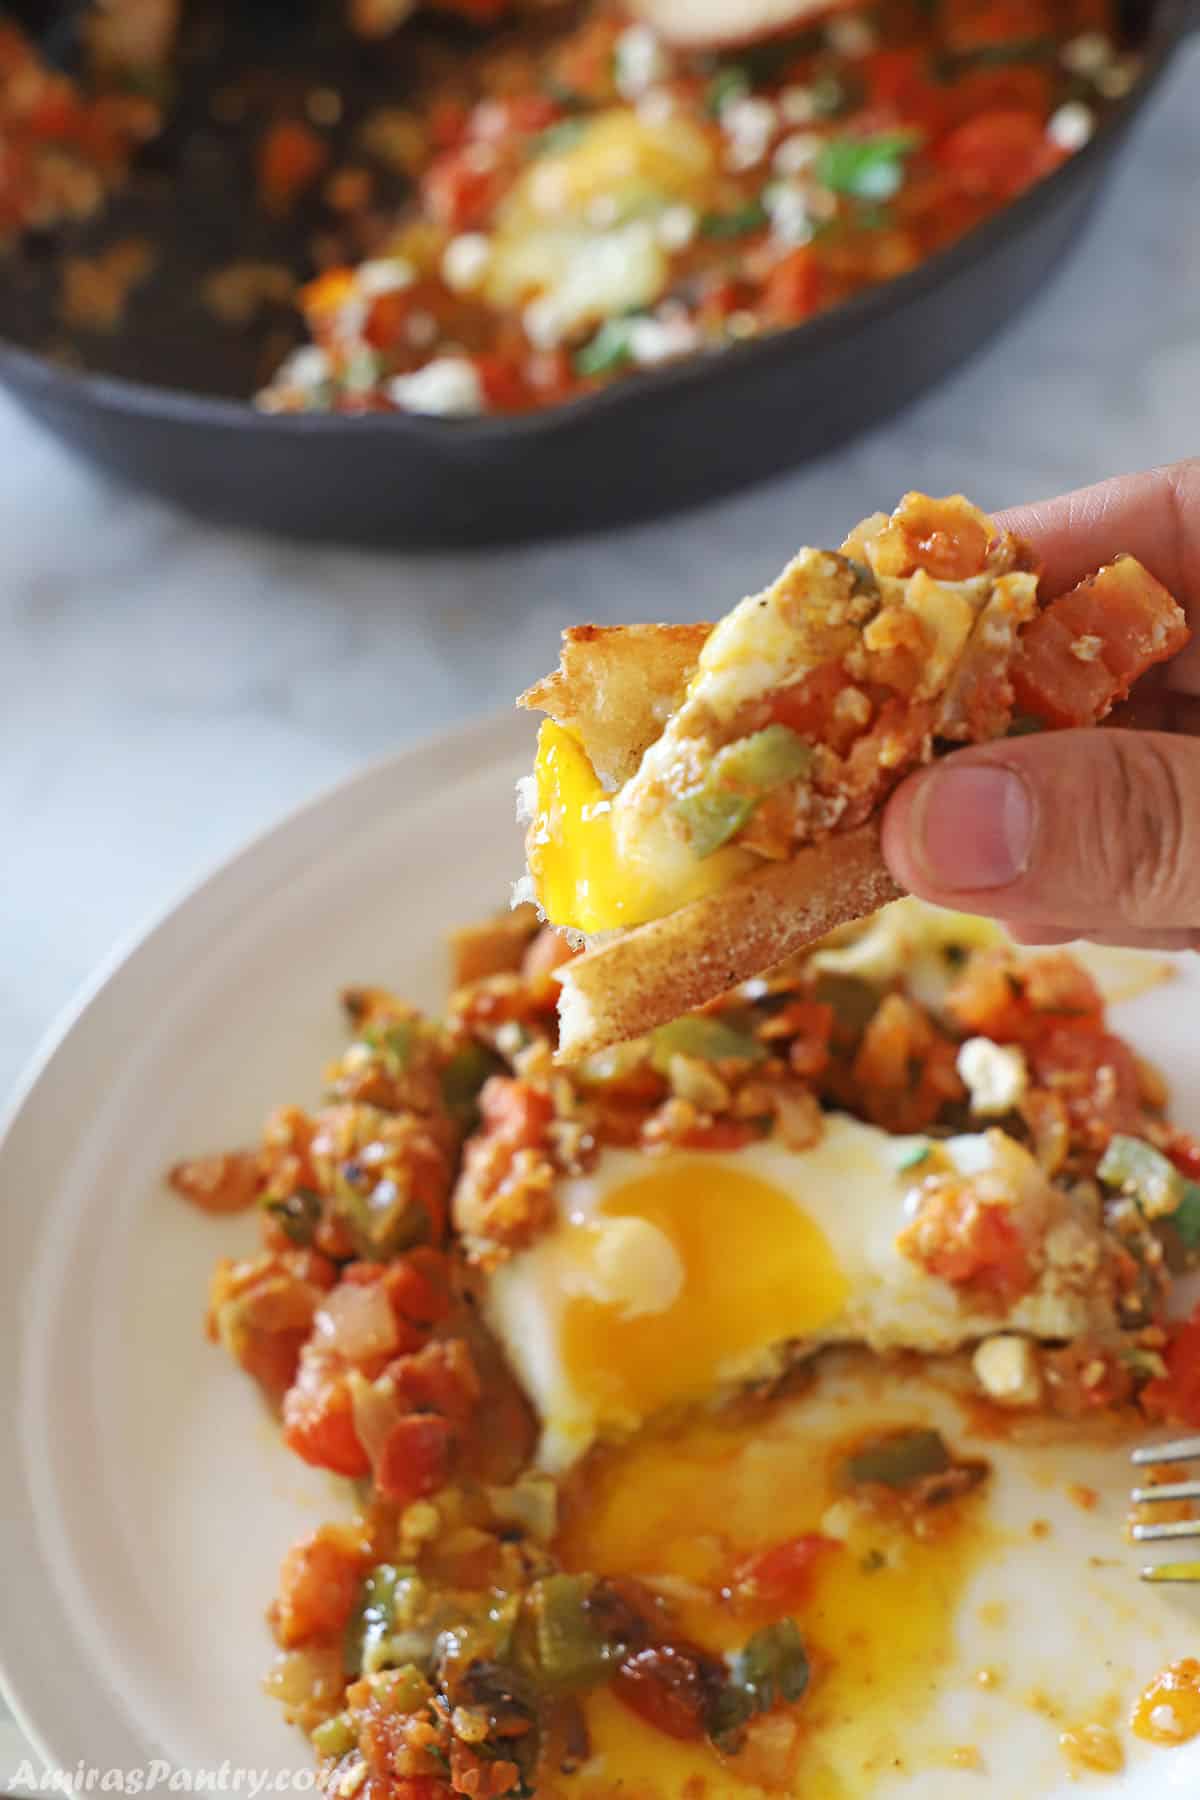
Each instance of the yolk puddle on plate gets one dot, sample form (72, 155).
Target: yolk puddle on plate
(755, 1271)
(685, 1505)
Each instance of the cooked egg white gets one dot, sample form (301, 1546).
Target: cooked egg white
(671, 1280)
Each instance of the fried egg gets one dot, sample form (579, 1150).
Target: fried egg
(671, 1280)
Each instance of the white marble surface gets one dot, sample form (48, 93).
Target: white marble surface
(167, 689)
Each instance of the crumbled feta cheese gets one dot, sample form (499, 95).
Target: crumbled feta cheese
(850, 36)
(639, 60)
(465, 260)
(742, 325)
(656, 107)
(996, 1075)
(788, 206)
(612, 272)
(1087, 53)
(449, 387)
(347, 323)
(308, 367)
(1006, 1368)
(1087, 648)
(385, 275)
(798, 106)
(797, 153)
(526, 799)
(677, 227)
(1071, 126)
(749, 124)
(654, 341)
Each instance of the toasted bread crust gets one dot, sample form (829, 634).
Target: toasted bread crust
(652, 974)
(616, 686)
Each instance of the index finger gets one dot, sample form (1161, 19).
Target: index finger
(1154, 516)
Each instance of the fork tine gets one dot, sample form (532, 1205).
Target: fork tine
(1179, 1450)
(1183, 1572)
(1170, 1490)
(1155, 1534)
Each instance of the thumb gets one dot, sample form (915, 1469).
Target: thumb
(1093, 832)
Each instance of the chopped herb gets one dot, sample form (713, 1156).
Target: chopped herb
(898, 1459)
(573, 1651)
(746, 219)
(707, 1039)
(333, 1737)
(870, 168)
(372, 1620)
(1186, 1217)
(771, 1667)
(610, 349)
(558, 137)
(913, 1157)
(872, 1562)
(737, 778)
(394, 1041)
(1136, 1168)
(728, 85)
(298, 1213)
(463, 1078)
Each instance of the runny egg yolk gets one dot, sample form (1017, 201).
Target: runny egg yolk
(582, 876)
(683, 1507)
(737, 1265)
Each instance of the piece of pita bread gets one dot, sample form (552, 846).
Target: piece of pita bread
(615, 688)
(652, 974)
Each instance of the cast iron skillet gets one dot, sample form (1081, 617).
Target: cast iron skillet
(640, 448)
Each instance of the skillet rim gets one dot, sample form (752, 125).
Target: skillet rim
(1170, 23)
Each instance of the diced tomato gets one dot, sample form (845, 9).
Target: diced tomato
(219, 1184)
(897, 82)
(793, 288)
(318, 1585)
(515, 1111)
(440, 1378)
(808, 707)
(522, 114)
(719, 1134)
(1085, 651)
(461, 187)
(290, 158)
(969, 1244)
(782, 1578)
(446, 122)
(318, 1422)
(666, 1686)
(998, 154)
(1184, 1151)
(1176, 1396)
(415, 1458)
(1096, 1077)
(502, 383)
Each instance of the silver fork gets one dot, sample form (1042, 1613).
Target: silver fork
(1179, 1450)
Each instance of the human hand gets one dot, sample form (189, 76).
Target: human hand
(1093, 833)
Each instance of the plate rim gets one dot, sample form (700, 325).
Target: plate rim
(444, 756)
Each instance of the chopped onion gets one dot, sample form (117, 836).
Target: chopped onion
(357, 1322)
(376, 1412)
(712, 24)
